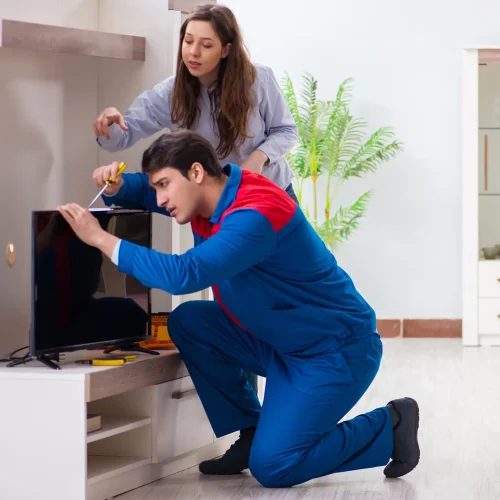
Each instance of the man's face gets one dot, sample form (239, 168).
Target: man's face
(175, 193)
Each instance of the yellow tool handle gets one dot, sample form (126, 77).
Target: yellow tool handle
(126, 357)
(107, 362)
(121, 169)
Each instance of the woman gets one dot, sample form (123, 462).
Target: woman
(217, 92)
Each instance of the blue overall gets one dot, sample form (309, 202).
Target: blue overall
(285, 310)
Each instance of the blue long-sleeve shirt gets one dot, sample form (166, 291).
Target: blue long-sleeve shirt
(270, 126)
(268, 268)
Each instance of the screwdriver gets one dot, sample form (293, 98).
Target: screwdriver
(110, 181)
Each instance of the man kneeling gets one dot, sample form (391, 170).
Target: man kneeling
(284, 310)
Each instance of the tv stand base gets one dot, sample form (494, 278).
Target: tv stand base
(131, 347)
(45, 359)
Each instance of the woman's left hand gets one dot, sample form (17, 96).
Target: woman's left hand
(255, 161)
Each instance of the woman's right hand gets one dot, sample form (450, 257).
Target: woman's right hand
(106, 119)
(102, 174)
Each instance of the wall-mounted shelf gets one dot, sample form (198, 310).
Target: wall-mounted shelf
(48, 38)
(186, 5)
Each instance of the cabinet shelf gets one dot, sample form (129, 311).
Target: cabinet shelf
(489, 194)
(111, 426)
(100, 468)
(48, 38)
(489, 128)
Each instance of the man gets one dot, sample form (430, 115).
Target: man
(285, 310)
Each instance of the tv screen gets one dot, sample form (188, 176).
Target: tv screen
(79, 298)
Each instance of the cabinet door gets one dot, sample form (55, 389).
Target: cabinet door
(489, 316)
(489, 279)
(489, 161)
(179, 420)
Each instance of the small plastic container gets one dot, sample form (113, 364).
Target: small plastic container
(159, 333)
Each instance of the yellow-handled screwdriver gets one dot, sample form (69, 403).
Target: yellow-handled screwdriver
(110, 181)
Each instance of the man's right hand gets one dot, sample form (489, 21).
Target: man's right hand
(102, 174)
(106, 119)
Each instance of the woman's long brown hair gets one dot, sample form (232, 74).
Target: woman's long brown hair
(232, 96)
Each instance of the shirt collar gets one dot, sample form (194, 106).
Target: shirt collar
(229, 193)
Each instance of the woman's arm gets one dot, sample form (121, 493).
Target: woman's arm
(280, 127)
(149, 113)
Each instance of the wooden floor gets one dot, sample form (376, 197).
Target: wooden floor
(458, 390)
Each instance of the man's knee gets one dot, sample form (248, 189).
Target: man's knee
(180, 321)
(271, 470)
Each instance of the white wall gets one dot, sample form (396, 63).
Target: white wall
(406, 60)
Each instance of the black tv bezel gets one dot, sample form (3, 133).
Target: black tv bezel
(91, 345)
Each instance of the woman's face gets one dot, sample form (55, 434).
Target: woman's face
(202, 51)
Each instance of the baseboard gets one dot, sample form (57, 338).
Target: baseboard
(420, 328)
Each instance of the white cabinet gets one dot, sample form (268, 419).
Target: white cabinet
(489, 297)
(488, 284)
(480, 133)
(489, 316)
(179, 420)
(153, 425)
(489, 279)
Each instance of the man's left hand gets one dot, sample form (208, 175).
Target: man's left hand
(83, 223)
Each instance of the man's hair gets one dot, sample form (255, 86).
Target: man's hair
(179, 149)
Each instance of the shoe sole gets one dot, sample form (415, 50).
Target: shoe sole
(222, 473)
(413, 424)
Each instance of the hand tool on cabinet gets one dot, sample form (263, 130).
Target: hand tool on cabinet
(111, 361)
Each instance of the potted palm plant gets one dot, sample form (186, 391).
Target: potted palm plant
(332, 147)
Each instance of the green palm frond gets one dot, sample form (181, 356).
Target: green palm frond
(332, 143)
(345, 222)
(372, 153)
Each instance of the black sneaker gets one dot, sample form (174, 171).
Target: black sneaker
(235, 460)
(406, 452)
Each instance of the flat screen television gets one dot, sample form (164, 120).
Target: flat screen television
(80, 300)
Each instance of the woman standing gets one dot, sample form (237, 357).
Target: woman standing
(217, 92)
